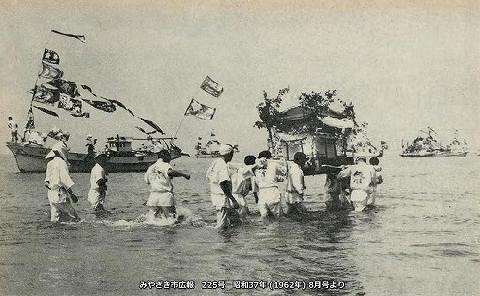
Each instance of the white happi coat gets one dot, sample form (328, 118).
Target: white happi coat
(296, 184)
(217, 173)
(58, 179)
(242, 183)
(161, 191)
(95, 196)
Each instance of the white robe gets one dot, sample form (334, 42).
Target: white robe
(296, 184)
(361, 177)
(242, 183)
(161, 191)
(95, 195)
(59, 181)
(217, 173)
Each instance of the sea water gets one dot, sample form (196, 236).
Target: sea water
(422, 238)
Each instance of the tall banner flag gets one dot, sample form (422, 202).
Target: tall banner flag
(86, 87)
(80, 38)
(73, 106)
(63, 95)
(112, 101)
(47, 111)
(152, 124)
(145, 132)
(51, 57)
(199, 110)
(119, 104)
(44, 95)
(101, 105)
(50, 72)
(30, 120)
(65, 86)
(211, 87)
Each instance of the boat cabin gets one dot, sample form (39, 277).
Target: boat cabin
(119, 145)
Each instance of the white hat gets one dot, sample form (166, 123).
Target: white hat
(225, 149)
(50, 154)
(362, 155)
(89, 137)
(61, 149)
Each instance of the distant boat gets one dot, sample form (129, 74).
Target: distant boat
(428, 145)
(209, 148)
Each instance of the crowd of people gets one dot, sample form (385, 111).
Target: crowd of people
(268, 180)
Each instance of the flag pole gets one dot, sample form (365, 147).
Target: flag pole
(182, 120)
(179, 125)
(186, 110)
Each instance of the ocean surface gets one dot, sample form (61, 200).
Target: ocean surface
(422, 238)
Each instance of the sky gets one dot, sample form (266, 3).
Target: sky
(403, 66)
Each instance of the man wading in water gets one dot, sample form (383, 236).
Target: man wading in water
(98, 184)
(269, 195)
(159, 175)
(59, 185)
(220, 180)
(361, 175)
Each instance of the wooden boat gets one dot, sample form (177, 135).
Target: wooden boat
(417, 154)
(430, 146)
(208, 148)
(30, 157)
(59, 98)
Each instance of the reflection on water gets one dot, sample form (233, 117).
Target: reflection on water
(421, 239)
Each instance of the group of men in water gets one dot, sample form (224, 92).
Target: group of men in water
(263, 177)
(229, 185)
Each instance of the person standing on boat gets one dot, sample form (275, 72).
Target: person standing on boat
(296, 185)
(90, 145)
(269, 195)
(98, 183)
(159, 175)
(13, 126)
(219, 177)
(59, 185)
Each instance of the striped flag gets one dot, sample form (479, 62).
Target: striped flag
(101, 105)
(49, 112)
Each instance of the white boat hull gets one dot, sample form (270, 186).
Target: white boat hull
(31, 159)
